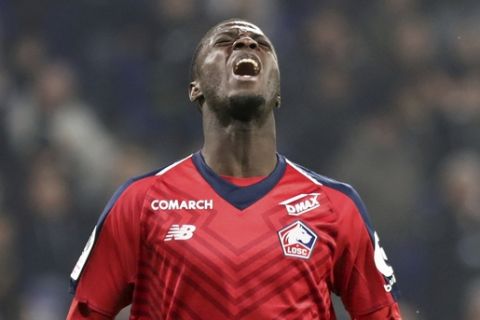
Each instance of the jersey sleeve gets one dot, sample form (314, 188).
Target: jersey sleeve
(82, 311)
(362, 276)
(104, 277)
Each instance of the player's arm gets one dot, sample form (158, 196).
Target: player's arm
(391, 312)
(104, 277)
(80, 310)
(361, 275)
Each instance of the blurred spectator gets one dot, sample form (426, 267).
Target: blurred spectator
(29, 56)
(52, 115)
(472, 301)
(44, 299)
(465, 42)
(50, 213)
(414, 44)
(409, 312)
(386, 169)
(50, 223)
(4, 87)
(375, 155)
(456, 236)
(9, 264)
(132, 161)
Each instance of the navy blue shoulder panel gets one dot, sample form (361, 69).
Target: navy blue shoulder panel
(239, 197)
(117, 195)
(349, 191)
(346, 189)
(352, 194)
(103, 216)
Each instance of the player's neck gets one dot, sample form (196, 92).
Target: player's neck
(240, 149)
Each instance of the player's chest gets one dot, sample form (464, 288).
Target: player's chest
(280, 230)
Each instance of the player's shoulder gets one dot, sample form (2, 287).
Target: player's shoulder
(323, 180)
(338, 190)
(139, 185)
(339, 193)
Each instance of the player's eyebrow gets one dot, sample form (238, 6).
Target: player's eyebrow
(233, 32)
(259, 36)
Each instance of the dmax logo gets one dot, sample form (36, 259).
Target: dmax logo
(302, 203)
(297, 240)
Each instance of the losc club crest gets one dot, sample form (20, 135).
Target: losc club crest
(297, 240)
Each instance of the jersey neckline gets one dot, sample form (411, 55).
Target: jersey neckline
(238, 196)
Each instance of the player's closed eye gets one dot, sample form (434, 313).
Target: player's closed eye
(223, 42)
(264, 44)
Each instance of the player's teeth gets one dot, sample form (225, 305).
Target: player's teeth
(247, 60)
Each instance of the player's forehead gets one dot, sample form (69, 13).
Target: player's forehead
(237, 26)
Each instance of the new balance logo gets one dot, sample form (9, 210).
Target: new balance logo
(180, 232)
(302, 203)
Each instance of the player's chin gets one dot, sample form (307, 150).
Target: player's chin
(246, 107)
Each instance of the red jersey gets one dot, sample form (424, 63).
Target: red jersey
(184, 243)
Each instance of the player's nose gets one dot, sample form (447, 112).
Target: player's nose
(245, 42)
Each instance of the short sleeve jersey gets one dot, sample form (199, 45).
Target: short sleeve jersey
(184, 243)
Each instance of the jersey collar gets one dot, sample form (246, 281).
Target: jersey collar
(237, 196)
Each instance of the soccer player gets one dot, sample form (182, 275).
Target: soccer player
(236, 230)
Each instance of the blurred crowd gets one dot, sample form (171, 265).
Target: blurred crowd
(382, 94)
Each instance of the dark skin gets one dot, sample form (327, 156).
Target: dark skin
(237, 109)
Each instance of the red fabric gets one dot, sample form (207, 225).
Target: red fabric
(233, 265)
(82, 311)
(108, 278)
(387, 313)
(355, 277)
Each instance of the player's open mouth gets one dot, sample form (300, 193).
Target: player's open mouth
(246, 67)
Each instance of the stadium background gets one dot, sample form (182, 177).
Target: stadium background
(383, 94)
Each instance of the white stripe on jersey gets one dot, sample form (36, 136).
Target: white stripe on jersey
(171, 166)
(303, 172)
(84, 256)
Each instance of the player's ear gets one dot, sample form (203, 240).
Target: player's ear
(194, 92)
(278, 101)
